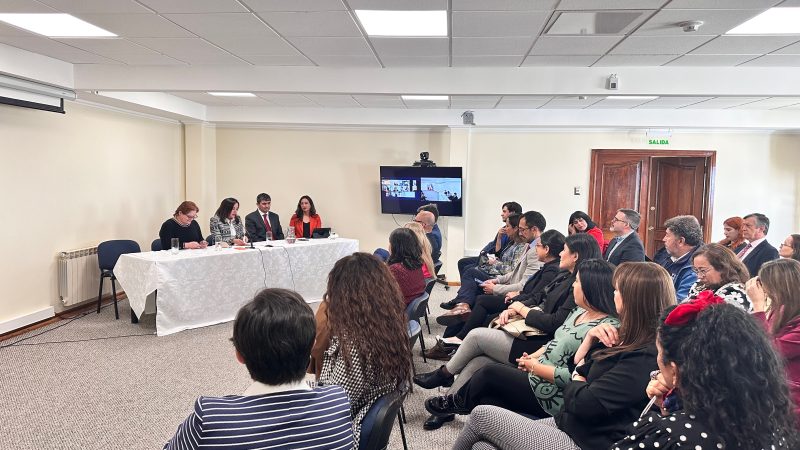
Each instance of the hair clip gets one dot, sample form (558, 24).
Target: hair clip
(686, 312)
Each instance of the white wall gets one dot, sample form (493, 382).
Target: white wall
(74, 180)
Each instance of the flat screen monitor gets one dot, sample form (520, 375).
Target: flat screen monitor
(404, 189)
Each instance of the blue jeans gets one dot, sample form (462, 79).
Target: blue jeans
(469, 287)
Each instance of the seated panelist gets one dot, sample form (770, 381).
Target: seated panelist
(183, 226)
(305, 219)
(226, 225)
(261, 221)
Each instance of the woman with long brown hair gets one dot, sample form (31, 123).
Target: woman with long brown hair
(607, 391)
(362, 340)
(428, 269)
(734, 240)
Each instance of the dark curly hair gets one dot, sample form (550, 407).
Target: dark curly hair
(734, 383)
(405, 249)
(312, 211)
(366, 311)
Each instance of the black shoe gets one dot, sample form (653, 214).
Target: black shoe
(434, 379)
(445, 405)
(449, 305)
(434, 422)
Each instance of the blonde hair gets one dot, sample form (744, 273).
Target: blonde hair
(427, 250)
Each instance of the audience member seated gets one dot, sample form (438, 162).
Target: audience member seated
(405, 263)
(485, 345)
(497, 245)
(777, 305)
(732, 228)
(607, 391)
(427, 218)
(428, 270)
(580, 222)
(714, 391)
(262, 221)
(538, 391)
(183, 227)
(682, 237)
(272, 336)
(362, 334)
(790, 248)
(226, 225)
(626, 246)
(531, 225)
(548, 250)
(305, 218)
(758, 250)
(720, 271)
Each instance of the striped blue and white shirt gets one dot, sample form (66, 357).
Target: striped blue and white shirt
(269, 417)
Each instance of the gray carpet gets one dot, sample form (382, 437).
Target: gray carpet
(97, 383)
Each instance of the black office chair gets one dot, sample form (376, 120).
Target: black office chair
(108, 253)
(418, 308)
(155, 246)
(414, 333)
(429, 284)
(376, 427)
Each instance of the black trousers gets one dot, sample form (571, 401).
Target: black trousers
(466, 263)
(486, 306)
(504, 386)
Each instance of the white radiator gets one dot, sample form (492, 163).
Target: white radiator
(79, 276)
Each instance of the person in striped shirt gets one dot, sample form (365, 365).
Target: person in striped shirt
(273, 335)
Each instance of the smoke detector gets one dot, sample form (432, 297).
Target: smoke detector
(691, 26)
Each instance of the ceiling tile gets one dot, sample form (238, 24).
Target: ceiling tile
(194, 6)
(578, 5)
(487, 61)
(727, 4)
(346, 61)
(723, 102)
(325, 23)
(617, 104)
(9, 30)
(556, 60)
(287, 99)
(503, 5)
(498, 23)
(411, 47)
(178, 47)
(203, 98)
(468, 46)
(671, 102)
(333, 100)
(150, 59)
(791, 3)
(55, 49)
(744, 45)
(522, 102)
(277, 60)
(262, 45)
(427, 104)
(222, 24)
(399, 5)
(108, 47)
(775, 61)
(96, 6)
(136, 25)
(379, 101)
(294, 5)
(770, 103)
(659, 45)
(221, 58)
(634, 60)
(711, 60)
(717, 21)
(571, 102)
(24, 7)
(415, 61)
(350, 46)
(574, 45)
(474, 101)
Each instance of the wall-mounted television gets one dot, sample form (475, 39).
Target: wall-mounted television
(404, 189)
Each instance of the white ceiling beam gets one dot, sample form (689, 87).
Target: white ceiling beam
(36, 67)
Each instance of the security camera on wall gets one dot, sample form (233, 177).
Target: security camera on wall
(613, 82)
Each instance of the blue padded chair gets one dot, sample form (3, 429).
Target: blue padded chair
(376, 427)
(429, 284)
(211, 240)
(418, 308)
(156, 246)
(414, 331)
(108, 253)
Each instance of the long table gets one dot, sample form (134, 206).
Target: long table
(197, 288)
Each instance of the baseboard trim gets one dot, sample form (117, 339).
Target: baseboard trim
(27, 320)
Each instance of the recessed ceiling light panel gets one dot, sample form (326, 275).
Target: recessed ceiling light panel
(575, 23)
(771, 21)
(441, 98)
(403, 23)
(232, 94)
(55, 25)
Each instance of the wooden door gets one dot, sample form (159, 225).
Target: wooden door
(618, 182)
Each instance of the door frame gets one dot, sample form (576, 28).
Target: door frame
(644, 197)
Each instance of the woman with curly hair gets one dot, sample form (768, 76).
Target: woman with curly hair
(719, 270)
(305, 218)
(362, 340)
(734, 240)
(737, 401)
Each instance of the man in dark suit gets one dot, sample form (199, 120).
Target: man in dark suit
(262, 220)
(626, 246)
(757, 251)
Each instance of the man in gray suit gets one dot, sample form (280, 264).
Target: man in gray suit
(626, 246)
(258, 222)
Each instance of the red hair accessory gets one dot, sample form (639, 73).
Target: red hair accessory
(687, 311)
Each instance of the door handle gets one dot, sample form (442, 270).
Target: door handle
(651, 228)
(652, 208)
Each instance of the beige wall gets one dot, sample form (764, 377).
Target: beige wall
(74, 180)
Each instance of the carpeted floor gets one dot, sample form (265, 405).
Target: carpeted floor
(97, 383)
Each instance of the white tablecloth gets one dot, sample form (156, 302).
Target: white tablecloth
(203, 287)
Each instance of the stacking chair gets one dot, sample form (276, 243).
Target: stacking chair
(376, 427)
(156, 246)
(414, 333)
(429, 285)
(440, 278)
(108, 253)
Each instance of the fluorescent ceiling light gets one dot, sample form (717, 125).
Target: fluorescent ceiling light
(55, 25)
(403, 23)
(232, 94)
(771, 21)
(441, 98)
(631, 97)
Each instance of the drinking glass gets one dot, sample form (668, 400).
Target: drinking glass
(269, 235)
(176, 245)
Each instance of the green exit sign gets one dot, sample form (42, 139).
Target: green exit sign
(658, 141)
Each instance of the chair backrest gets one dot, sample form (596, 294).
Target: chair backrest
(156, 246)
(108, 252)
(211, 240)
(414, 328)
(412, 310)
(376, 428)
(436, 266)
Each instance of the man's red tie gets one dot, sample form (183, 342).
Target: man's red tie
(266, 224)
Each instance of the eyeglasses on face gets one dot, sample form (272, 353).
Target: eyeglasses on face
(521, 228)
(618, 220)
(701, 271)
(784, 244)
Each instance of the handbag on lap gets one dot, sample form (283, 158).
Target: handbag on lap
(517, 328)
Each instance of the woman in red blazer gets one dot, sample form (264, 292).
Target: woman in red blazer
(305, 218)
(580, 222)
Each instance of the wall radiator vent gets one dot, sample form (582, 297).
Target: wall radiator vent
(79, 276)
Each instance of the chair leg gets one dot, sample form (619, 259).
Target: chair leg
(100, 294)
(402, 432)
(422, 345)
(403, 413)
(114, 295)
(427, 324)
